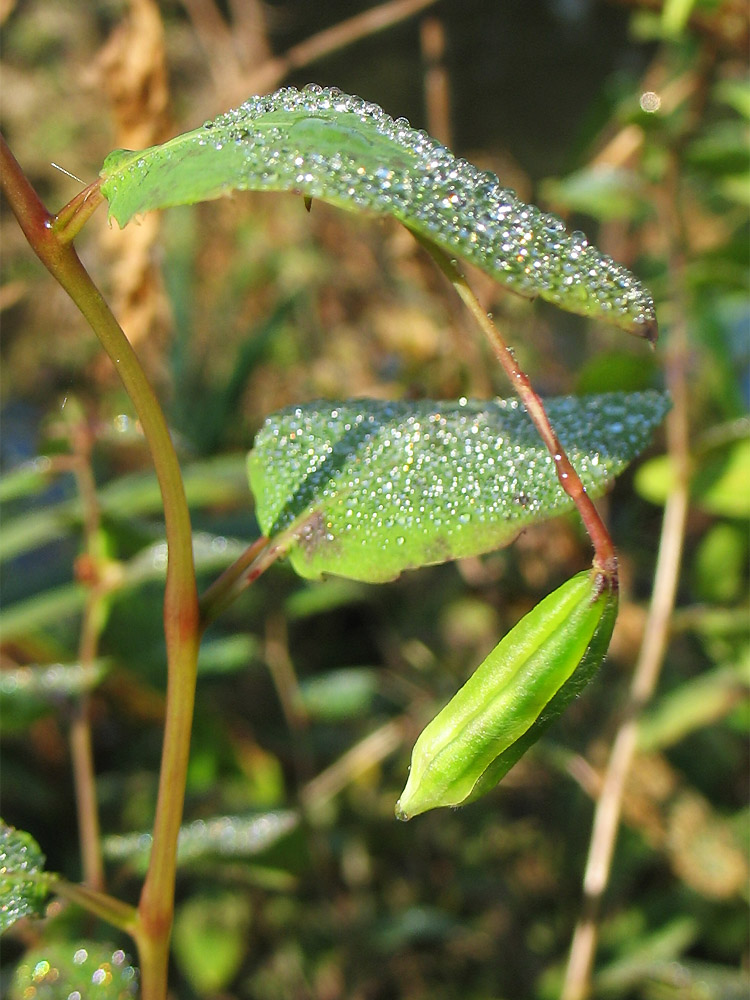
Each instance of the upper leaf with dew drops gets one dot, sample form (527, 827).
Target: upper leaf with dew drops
(330, 146)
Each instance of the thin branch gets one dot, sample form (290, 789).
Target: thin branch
(245, 570)
(609, 804)
(605, 558)
(437, 95)
(217, 41)
(181, 616)
(353, 29)
(114, 911)
(213, 600)
(361, 758)
(608, 810)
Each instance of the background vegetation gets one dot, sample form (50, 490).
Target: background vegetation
(310, 695)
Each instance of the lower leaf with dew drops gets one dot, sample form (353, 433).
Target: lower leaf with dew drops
(375, 488)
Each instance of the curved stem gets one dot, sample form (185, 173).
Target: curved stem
(72, 217)
(181, 616)
(605, 557)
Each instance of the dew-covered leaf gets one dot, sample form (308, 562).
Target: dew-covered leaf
(50, 682)
(223, 836)
(26, 480)
(371, 488)
(21, 893)
(340, 149)
(41, 610)
(339, 695)
(85, 969)
(34, 689)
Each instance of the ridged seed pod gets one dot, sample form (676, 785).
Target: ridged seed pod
(520, 688)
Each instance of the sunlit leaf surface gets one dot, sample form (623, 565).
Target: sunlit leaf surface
(21, 895)
(328, 145)
(380, 487)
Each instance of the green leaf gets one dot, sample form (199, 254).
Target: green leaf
(689, 979)
(736, 93)
(340, 695)
(223, 836)
(719, 569)
(720, 483)
(227, 654)
(340, 149)
(675, 15)
(21, 894)
(700, 701)
(605, 193)
(87, 969)
(379, 487)
(211, 939)
(43, 609)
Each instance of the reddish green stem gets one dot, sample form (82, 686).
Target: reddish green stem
(234, 578)
(605, 557)
(72, 217)
(245, 570)
(50, 240)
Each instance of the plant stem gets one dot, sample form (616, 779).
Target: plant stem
(72, 217)
(114, 911)
(81, 750)
(605, 557)
(246, 569)
(577, 985)
(181, 616)
(217, 596)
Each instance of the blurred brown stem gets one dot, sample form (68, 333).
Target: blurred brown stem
(578, 976)
(436, 84)
(384, 15)
(81, 750)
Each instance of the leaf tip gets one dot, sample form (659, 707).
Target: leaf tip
(650, 331)
(401, 814)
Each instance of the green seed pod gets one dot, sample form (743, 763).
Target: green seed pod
(522, 686)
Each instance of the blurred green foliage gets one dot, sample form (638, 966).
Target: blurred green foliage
(263, 305)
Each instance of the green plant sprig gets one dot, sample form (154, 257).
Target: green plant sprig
(320, 144)
(181, 614)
